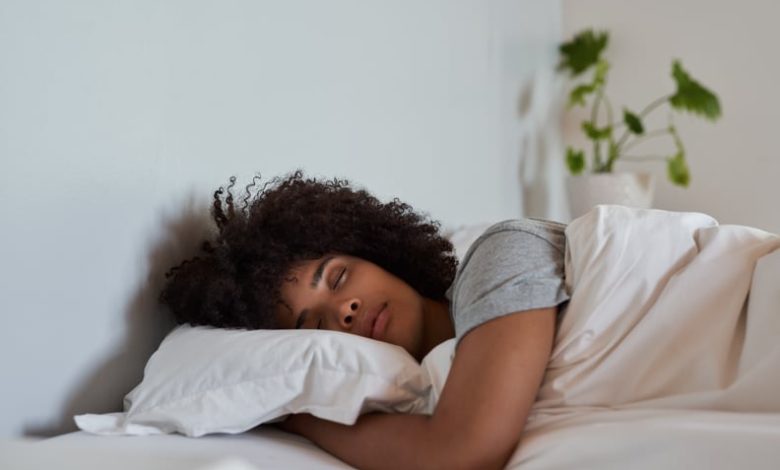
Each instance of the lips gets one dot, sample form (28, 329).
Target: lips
(371, 322)
(378, 332)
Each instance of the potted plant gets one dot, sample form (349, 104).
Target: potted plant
(613, 136)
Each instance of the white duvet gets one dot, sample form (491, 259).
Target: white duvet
(668, 354)
(660, 318)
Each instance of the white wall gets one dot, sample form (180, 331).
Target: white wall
(117, 120)
(731, 48)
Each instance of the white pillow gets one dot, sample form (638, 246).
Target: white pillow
(206, 380)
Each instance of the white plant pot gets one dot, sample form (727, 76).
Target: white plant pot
(625, 189)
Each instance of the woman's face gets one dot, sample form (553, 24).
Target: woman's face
(344, 293)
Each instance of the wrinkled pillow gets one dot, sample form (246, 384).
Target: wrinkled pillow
(205, 380)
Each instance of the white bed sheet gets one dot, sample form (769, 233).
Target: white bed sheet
(262, 448)
(588, 439)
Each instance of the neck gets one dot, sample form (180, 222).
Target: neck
(437, 326)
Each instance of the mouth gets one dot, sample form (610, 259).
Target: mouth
(376, 323)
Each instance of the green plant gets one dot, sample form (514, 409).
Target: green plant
(584, 53)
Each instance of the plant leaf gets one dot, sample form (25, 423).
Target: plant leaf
(677, 169)
(633, 122)
(600, 76)
(575, 160)
(595, 133)
(582, 51)
(692, 96)
(578, 94)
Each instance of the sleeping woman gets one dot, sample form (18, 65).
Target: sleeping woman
(308, 253)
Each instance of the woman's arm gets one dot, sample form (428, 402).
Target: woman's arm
(480, 416)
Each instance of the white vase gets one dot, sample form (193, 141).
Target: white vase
(625, 189)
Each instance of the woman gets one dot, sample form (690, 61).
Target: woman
(304, 253)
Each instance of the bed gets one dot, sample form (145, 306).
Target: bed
(648, 439)
(265, 447)
(665, 358)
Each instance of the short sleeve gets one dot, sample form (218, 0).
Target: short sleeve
(515, 266)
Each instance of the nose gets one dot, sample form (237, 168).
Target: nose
(347, 313)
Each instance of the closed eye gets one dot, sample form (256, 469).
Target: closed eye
(339, 278)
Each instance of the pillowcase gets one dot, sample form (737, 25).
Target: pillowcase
(205, 380)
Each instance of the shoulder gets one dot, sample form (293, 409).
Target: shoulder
(545, 229)
(514, 265)
(518, 234)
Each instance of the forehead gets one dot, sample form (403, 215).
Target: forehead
(301, 272)
(294, 289)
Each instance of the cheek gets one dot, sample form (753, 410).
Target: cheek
(406, 329)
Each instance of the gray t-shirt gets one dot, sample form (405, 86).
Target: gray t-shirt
(515, 265)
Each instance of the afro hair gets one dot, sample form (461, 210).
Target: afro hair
(235, 280)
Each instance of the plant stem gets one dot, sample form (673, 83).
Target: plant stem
(609, 109)
(594, 120)
(596, 156)
(677, 141)
(642, 158)
(646, 136)
(595, 109)
(611, 148)
(642, 114)
(654, 105)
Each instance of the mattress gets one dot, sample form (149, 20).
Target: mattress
(590, 439)
(261, 448)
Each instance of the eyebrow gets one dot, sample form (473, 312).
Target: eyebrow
(315, 279)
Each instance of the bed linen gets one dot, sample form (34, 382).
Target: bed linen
(669, 310)
(651, 439)
(583, 439)
(668, 353)
(262, 448)
(667, 356)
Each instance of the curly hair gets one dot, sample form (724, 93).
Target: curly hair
(235, 280)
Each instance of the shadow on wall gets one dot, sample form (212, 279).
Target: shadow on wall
(146, 324)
